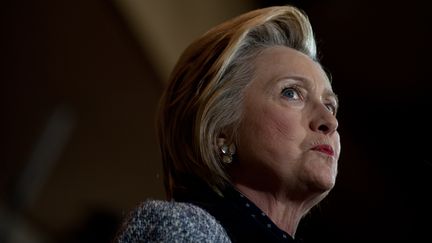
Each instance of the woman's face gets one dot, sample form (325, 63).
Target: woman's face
(287, 138)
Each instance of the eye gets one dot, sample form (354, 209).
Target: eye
(291, 93)
(332, 108)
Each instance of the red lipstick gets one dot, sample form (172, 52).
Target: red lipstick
(324, 148)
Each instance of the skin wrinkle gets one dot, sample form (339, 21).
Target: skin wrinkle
(277, 168)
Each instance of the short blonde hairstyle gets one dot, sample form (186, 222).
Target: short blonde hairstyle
(203, 100)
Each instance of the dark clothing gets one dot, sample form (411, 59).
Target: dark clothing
(242, 219)
(199, 214)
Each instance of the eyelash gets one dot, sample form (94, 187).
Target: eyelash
(331, 107)
(295, 89)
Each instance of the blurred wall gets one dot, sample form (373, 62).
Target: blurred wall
(79, 102)
(166, 27)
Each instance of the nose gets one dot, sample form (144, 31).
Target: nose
(324, 121)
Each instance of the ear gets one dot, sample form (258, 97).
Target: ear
(226, 136)
(220, 141)
(222, 138)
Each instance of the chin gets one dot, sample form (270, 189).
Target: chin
(327, 186)
(321, 178)
(322, 183)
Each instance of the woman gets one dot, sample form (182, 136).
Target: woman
(247, 130)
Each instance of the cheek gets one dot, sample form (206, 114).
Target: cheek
(280, 127)
(272, 129)
(338, 144)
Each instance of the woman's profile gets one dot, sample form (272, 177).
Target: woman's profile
(248, 135)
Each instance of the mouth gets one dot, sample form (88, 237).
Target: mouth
(325, 149)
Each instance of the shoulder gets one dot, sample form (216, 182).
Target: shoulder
(163, 221)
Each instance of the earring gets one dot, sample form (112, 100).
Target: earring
(227, 152)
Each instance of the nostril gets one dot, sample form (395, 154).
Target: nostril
(323, 128)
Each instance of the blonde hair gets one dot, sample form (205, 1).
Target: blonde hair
(204, 97)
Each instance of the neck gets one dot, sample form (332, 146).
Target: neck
(284, 211)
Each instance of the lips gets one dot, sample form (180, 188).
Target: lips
(324, 148)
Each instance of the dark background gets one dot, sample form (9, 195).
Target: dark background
(78, 90)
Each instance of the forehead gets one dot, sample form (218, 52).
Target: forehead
(277, 62)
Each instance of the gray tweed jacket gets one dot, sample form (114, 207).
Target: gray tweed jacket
(163, 221)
